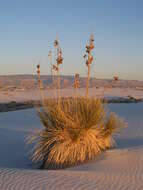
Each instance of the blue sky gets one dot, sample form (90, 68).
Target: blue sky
(28, 28)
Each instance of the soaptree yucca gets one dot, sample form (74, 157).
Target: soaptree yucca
(73, 133)
(74, 129)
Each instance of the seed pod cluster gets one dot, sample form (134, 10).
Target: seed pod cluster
(89, 49)
(55, 68)
(38, 69)
(56, 43)
(59, 58)
(115, 78)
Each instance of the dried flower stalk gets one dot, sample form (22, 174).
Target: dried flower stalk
(88, 60)
(51, 65)
(59, 60)
(40, 84)
(76, 84)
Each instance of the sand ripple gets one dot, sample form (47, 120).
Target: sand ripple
(120, 170)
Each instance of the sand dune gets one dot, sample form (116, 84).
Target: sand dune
(115, 169)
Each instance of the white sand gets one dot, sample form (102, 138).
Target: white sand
(25, 95)
(120, 168)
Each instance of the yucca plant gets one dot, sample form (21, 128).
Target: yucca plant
(73, 133)
(74, 130)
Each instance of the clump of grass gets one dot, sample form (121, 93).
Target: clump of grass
(73, 133)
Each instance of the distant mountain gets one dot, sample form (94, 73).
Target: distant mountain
(30, 81)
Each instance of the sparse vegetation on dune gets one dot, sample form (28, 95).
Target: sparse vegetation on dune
(75, 129)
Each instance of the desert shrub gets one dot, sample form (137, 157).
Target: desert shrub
(74, 132)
